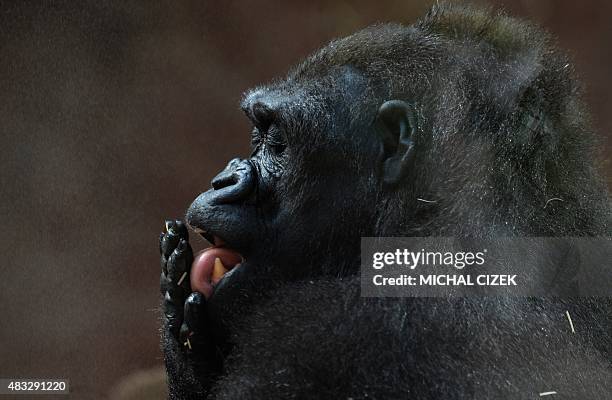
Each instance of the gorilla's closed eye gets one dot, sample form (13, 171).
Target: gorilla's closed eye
(275, 140)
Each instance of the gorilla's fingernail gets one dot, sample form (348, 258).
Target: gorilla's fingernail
(182, 245)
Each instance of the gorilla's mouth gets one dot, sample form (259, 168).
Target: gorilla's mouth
(213, 264)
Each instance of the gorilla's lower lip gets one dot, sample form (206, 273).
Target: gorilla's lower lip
(213, 265)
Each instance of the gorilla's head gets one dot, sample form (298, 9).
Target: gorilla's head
(456, 125)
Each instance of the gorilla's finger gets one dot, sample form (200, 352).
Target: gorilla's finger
(169, 243)
(195, 312)
(161, 236)
(184, 337)
(173, 313)
(180, 228)
(194, 332)
(163, 259)
(175, 231)
(164, 264)
(179, 263)
(164, 283)
(177, 293)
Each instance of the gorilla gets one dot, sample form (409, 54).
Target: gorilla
(467, 123)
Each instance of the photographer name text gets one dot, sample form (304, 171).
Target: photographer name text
(418, 259)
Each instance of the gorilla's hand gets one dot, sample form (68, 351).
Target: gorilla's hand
(187, 326)
(176, 259)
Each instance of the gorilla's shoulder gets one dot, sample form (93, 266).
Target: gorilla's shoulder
(320, 337)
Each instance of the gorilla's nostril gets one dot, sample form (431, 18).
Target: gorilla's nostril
(233, 184)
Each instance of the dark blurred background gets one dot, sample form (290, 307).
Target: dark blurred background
(114, 115)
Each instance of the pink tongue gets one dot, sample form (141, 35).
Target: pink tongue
(203, 264)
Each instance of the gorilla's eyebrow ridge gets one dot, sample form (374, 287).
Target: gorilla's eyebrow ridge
(265, 106)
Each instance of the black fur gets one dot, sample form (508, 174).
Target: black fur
(500, 130)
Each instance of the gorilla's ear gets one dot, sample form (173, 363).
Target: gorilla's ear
(396, 125)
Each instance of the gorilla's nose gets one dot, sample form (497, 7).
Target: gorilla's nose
(222, 212)
(235, 183)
